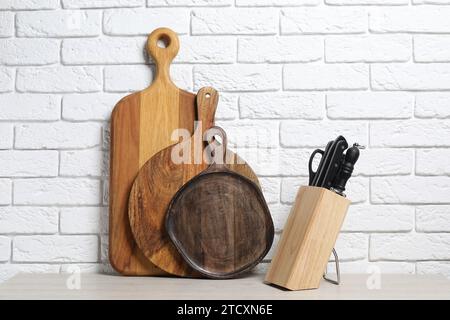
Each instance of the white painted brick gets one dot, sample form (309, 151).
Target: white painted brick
(240, 47)
(103, 50)
(75, 4)
(432, 48)
(6, 136)
(228, 107)
(275, 3)
(373, 48)
(280, 49)
(409, 247)
(59, 23)
(318, 133)
(433, 218)
(251, 134)
(104, 248)
(29, 4)
(84, 220)
(143, 21)
(243, 77)
(323, 20)
(5, 191)
(90, 106)
(271, 189)
(410, 190)
(434, 76)
(280, 213)
(371, 218)
(60, 135)
(28, 163)
(431, 1)
(352, 246)
(277, 162)
(7, 271)
(432, 105)
(6, 79)
(374, 162)
(361, 266)
(236, 21)
(6, 24)
(28, 220)
(25, 107)
(57, 191)
(92, 163)
(105, 192)
(433, 162)
(411, 19)
(369, 105)
(132, 78)
(55, 248)
(357, 190)
(414, 133)
(106, 137)
(207, 49)
(434, 267)
(367, 2)
(5, 248)
(282, 106)
(29, 51)
(289, 188)
(326, 77)
(188, 3)
(59, 79)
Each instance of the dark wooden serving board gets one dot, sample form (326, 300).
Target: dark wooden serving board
(220, 223)
(159, 180)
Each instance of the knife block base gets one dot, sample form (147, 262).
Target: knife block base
(308, 238)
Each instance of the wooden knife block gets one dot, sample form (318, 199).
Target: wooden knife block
(308, 239)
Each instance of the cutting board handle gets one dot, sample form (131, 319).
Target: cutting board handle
(163, 55)
(206, 100)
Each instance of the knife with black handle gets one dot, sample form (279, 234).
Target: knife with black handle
(335, 163)
(325, 163)
(346, 170)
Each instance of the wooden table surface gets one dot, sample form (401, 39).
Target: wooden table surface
(98, 286)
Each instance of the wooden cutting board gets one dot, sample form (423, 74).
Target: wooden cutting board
(219, 221)
(141, 125)
(160, 179)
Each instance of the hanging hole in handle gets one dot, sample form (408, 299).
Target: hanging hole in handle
(217, 141)
(163, 41)
(208, 95)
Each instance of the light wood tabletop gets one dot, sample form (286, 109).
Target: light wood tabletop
(99, 286)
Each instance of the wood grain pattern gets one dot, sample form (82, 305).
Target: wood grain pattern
(159, 180)
(308, 238)
(220, 223)
(141, 125)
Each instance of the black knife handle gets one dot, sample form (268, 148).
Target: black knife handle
(346, 170)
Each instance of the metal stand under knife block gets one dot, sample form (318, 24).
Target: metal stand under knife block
(308, 239)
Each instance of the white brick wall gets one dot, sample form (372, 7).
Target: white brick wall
(292, 74)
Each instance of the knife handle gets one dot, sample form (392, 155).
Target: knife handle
(346, 170)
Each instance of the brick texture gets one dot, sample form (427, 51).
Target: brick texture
(292, 75)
